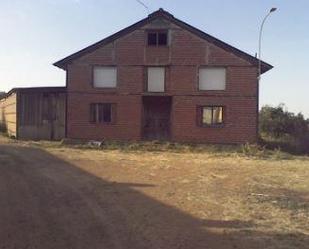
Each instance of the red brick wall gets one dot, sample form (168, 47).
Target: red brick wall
(182, 58)
(239, 119)
(127, 121)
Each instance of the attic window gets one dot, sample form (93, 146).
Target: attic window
(157, 38)
(152, 39)
(162, 39)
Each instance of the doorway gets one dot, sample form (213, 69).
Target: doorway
(156, 117)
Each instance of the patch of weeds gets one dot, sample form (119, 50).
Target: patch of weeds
(46, 144)
(254, 150)
(287, 143)
(288, 202)
(281, 155)
(294, 203)
(3, 133)
(261, 152)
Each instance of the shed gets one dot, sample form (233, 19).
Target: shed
(37, 113)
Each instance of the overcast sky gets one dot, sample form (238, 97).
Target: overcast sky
(36, 33)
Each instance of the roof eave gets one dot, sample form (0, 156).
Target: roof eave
(265, 67)
(63, 62)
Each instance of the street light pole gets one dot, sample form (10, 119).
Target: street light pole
(260, 68)
(260, 39)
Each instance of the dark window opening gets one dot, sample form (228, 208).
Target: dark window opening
(93, 113)
(162, 39)
(211, 115)
(157, 38)
(101, 113)
(152, 39)
(107, 113)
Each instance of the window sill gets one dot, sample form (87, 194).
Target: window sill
(157, 46)
(102, 123)
(212, 126)
(204, 91)
(105, 88)
(110, 90)
(155, 93)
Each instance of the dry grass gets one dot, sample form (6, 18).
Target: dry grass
(272, 194)
(252, 151)
(266, 191)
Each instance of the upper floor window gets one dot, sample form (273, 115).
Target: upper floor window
(104, 77)
(156, 79)
(212, 78)
(157, 38)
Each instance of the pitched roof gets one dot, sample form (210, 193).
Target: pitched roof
(33, 90)
(164, 14)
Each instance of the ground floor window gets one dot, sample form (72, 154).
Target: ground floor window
(102, 112)
(210, 115)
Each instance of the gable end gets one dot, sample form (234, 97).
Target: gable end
(166, 15)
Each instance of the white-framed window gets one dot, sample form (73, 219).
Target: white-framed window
(104, 77)
(156, 79)
(212, 78)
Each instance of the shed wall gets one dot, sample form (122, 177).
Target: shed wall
(8, 115)
(42, 115)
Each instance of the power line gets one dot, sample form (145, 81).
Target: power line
(144, 5)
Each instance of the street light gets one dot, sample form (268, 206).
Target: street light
(259, 67)
(260, 40)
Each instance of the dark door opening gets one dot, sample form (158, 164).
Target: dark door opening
(54, 115)
(156, 118)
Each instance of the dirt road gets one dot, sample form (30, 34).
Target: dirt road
(48, 200)
(48, 203)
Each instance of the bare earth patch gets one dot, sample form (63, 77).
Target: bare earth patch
(62, 197)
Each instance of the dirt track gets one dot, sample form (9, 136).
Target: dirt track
(48, 201)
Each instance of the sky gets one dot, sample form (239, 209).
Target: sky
(36, 33)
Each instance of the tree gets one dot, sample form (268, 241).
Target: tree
(278, 122)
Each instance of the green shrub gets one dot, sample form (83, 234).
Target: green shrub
(253, 150)
(285, 130)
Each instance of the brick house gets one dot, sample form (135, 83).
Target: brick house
(161, 78)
